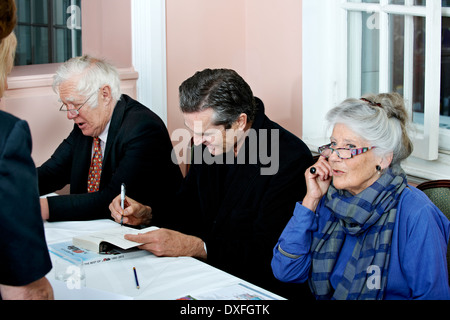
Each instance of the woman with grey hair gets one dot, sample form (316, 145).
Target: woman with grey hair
(361, 232)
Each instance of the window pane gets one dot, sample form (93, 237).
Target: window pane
(45, 31)
(23, 51)
(67, 29)
(419, 70)
(64, 10)
(446, 3)
(370, 62)
(60, 15)
(418, 61)
(397, 54)
(418, 55)
(363, 57)
(354, 54)
(40, 45)
(63, 49)
(24, 11)
(402, 2)
(445, 75)
(39, 12)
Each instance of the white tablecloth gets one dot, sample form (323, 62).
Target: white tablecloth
(160, 278)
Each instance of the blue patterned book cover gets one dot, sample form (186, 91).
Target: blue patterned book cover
(67, 249)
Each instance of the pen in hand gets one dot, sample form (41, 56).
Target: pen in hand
(122, 201)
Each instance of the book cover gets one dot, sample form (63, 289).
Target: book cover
(68, 249)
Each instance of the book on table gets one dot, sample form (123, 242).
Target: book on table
(101, 246)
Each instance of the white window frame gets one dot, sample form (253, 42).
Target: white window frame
(325, 73)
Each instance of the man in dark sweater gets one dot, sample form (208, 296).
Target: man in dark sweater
(241, 189)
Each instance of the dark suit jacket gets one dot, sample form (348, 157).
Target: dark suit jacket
(138, 153)
(239, 212)
(23, 251)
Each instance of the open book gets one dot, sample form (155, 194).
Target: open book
(105, 240)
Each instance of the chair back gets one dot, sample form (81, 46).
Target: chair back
(439, 193)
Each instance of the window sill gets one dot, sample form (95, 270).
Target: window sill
(32, 76)
(418, 170)
(35, 76)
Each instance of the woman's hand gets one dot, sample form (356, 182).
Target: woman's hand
(317, 183)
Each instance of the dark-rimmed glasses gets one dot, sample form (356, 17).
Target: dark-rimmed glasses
(75, 111)
(343, 153)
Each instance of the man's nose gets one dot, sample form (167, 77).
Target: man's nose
(72, 114)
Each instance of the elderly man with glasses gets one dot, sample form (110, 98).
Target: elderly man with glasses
(115, 140)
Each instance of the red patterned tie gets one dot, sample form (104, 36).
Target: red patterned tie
(96, 167)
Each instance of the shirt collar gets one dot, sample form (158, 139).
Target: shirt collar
(104, 135)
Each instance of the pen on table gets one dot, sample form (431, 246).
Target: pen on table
(136, 278)
(122, 201)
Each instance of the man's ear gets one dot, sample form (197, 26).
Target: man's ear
(106, 94)
(242, 121)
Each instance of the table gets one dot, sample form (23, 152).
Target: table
(160, 278)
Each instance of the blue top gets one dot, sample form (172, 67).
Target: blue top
(24, 256)
(418, 265)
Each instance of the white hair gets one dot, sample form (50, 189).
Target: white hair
(382, 121)
(93, 74)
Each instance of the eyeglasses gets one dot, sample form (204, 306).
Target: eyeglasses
(342, 153)
(75, 111)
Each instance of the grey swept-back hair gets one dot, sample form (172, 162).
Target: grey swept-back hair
(381, 120)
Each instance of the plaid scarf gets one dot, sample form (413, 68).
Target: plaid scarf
(370, 216)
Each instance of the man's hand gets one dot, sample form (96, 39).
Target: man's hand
(169, 243)
(134, 213)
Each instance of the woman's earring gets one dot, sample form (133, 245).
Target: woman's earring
(378, 167)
